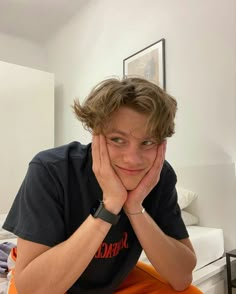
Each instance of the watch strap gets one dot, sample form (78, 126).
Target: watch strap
(105, 214)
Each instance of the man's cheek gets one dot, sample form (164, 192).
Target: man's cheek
(111, 150)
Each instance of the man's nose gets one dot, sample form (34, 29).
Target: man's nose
(132, 155)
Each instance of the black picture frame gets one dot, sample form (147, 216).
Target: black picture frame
(148, 63)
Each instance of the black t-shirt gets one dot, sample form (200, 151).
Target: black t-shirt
(55, 198)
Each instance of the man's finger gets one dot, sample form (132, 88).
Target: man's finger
(103, 151)
(96, 150)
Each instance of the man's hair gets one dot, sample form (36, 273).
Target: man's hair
(135, 93)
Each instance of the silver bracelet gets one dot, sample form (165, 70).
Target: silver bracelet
(134, 213)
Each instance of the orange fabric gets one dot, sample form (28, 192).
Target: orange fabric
(11, 285)
(11, 265)
(145, 280)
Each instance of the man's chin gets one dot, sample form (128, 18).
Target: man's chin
(130, 187)
(130, 183)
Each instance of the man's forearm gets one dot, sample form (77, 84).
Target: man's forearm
(56, 270)
(174, 260)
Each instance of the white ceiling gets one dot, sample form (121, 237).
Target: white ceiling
(36, 20)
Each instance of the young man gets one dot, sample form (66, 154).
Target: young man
(84, 213)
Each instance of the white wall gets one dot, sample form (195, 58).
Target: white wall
(201, 74)
(22, 52)
(26, 124)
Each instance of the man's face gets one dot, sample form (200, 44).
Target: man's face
(132, 151)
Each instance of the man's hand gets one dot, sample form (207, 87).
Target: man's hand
(114, 192)
(149, 181)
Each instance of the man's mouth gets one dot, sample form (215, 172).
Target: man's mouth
(129, 171)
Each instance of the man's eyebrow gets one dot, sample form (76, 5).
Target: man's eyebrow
(117, 131)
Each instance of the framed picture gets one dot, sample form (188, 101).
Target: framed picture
(148, 63)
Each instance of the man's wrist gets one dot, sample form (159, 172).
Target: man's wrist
(112, 206)
(99, 211)
(135, 212)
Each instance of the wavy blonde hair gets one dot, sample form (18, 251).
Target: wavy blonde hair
(135, 93)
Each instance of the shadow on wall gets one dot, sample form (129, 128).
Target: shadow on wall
(58, 119)
(215, 205)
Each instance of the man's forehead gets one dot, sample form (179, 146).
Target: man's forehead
(127, 121)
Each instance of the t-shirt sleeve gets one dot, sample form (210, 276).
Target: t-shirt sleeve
(37, 211)
(168, 214)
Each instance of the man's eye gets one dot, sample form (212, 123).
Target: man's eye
(117, 140)
(148, 143)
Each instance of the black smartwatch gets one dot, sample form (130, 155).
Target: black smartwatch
(99, 211)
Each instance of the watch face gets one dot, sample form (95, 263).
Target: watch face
(95, 207)
(99, 211)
